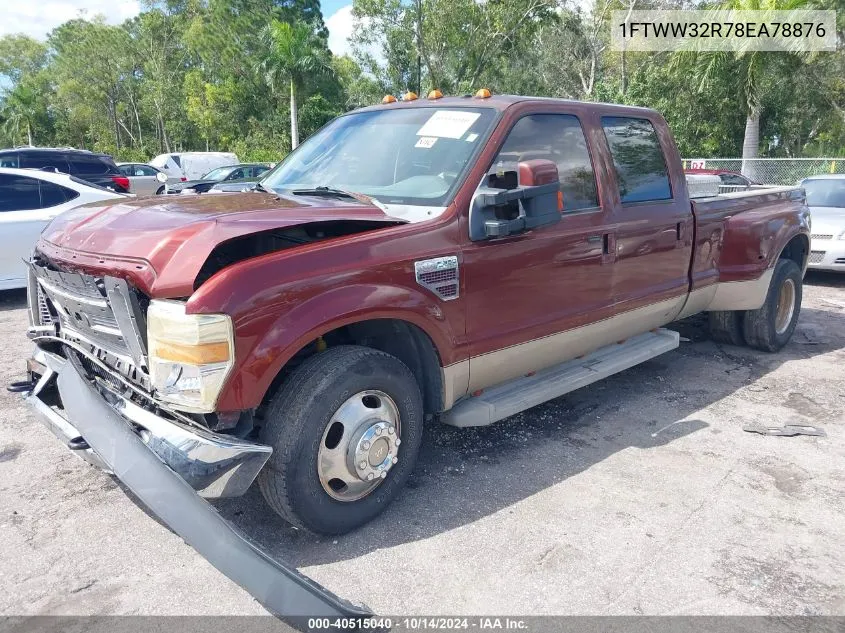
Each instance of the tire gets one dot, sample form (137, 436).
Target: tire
(726, 326)
(298, 423)
(769, 329)
(160, 190)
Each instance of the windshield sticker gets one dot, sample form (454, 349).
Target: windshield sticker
(426, 142)
(471, 137)
(448, 123)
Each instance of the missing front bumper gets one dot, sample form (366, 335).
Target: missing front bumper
(213, 464)
(117, 446)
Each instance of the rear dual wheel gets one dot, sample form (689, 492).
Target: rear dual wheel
(346, 428)
(770, 327)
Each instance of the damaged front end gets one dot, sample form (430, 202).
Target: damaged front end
(89, 382)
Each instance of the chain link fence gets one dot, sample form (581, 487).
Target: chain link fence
(772, 171)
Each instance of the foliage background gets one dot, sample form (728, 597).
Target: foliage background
(198, 74)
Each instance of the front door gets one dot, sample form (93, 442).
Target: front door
(529, 293)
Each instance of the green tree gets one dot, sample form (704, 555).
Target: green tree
(748, 70)
(295, 54)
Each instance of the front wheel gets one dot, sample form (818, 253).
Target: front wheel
(345, 427)
(770, 328)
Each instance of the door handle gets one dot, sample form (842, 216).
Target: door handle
(608, 249)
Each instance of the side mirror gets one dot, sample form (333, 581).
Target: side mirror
(501, 207)
(161, 176)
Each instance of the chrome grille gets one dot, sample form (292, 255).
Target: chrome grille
(101, 315)
(45, 317)
(821, 236)
(816, 257)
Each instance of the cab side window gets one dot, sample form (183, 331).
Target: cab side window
(641, 172)
(560, 139)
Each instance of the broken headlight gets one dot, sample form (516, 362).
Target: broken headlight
(190, 355)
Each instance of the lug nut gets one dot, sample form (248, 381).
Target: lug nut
(395, 459)
(378, 430)
(363, 465)
(383, 474)
(370, 476)
(365, 445)
(398, 441)
(391, 430)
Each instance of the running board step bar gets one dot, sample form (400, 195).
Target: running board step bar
(507, 399)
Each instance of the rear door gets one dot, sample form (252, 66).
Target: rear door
(26, 206)
(529, 293)
(653, 220)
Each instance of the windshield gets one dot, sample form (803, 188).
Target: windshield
(825, 192)
(218, 174)
(408, 156)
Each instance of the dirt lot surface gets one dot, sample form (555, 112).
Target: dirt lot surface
(638, 495)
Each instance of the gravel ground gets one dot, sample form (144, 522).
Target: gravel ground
(637, 495)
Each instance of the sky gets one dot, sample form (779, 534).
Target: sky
(38, 17)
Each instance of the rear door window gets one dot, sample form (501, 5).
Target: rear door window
(641, 172)
(560, 139)
(53, 194)
(44, 160)
(18, 193)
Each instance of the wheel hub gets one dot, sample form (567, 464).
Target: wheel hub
(376, 451)
(785, 306)
(359, 446)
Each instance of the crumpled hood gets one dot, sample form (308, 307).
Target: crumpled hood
(162, 242)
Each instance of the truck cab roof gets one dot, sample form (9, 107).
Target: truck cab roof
(503, 102)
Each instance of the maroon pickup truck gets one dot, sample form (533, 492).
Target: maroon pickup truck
(451, 260)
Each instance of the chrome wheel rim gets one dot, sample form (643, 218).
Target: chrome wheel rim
(359, 446)
(786, 306)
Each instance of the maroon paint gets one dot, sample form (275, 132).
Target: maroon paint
(512, 290)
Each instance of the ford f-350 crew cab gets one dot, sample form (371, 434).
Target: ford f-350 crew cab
(452, 258)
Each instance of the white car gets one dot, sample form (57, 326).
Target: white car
(29, 199)
(192, 165)
(146, 180)
(826, 199)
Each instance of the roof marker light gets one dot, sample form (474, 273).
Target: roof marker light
(389, 99)
(409, 96)
(483, 93)
(435, 94)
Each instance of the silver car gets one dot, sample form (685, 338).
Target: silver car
(145, 180)
(826, 199)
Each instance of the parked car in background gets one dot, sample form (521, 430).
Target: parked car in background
(243, 174)
(730, 179)
(192, 165)
(145, 180)
(96, 168)
(826, 199)
(29, 199)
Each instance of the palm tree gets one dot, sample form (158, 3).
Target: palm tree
(746, 68)
(19, 110)
(295, 54)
